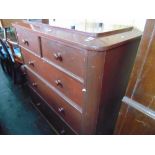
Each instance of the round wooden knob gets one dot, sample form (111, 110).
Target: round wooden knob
(23, 69)
(62, 132)
(25, 42)
(34, 84)
(58, 56)
(31, 63)
(58, 83)
(61, 110)
(38, 104)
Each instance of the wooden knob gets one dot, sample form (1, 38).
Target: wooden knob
(58, 56)
(23, 69)
(25, 42)
(58, 83)
(61, 110)
(31, 63)
(62, 132)
(38, 104)
(34, 84)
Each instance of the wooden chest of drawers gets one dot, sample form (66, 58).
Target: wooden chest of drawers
(79, 77)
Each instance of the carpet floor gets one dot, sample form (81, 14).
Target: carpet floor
(17, 114)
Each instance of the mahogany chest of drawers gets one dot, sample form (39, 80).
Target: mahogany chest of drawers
(77, 79)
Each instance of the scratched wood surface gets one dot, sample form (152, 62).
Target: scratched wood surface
(141, 89)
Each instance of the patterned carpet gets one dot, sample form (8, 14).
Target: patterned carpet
(17, 114)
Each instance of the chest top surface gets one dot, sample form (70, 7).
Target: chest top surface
(98, 40)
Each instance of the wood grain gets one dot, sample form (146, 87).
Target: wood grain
(141, 89)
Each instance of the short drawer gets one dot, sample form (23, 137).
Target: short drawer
(28, 40)
(72, 59)
(67, 112)
(67, 85)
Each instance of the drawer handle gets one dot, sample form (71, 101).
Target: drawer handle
(34, 84)
(62, 132)
(38, 104)
(58, 56)
(31, 63)
(61, 110)
(58, 83)
(25, 42)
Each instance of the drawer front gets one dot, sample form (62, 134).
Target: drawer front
(51, 116)
(61, 107)
(28, 40)
(68, 86)
(71, 59)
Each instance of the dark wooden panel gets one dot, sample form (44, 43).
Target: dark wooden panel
(28, 40)
(144, 90)
(67, 112)
(142, 52)
(117, 68)
(72, 59)
(67, 85)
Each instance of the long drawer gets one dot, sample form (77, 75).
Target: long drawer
(67, 85)
(67, 112)
(72, 59)
(28, 40)
(50, 114)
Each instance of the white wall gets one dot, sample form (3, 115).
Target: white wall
(138, 23)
